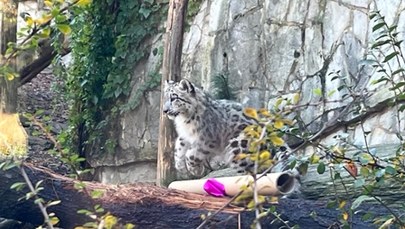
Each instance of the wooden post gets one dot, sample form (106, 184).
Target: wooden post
(171, 70)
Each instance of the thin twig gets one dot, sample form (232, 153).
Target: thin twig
(32, 190)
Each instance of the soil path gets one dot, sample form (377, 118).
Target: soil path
(44, 94)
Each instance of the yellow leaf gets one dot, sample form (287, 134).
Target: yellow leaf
(84, 2)
(10, 76)
(339, 150)
(296, 98)
(265, 155)
(251, 204)
(45, 33)
(266, 164)
(314, 159)
(44, 19)
(261, 199)
(278, 124)
(129, 226)
(29, 20)
(288, 122)
(243, 187)
(273, 200)
(110, 221)
(342, 204)
(65, 29)
(278, 102)
(250, 112)
(387, 224)
(240, 156)
(48, 4)
(54, 220)
(264, 112)
(277, 141)
(253, 157)
(345, 216)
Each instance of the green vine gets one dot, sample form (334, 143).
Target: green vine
(107, 42)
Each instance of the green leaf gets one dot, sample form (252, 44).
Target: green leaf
(390, 170)
(317, 91)
(379, 173)
(397, 71)
(373, 15)
(378, 26)
(392, 28)
(341, 87)
(39, 112)
(356, 203)
(382, 36)
(364, 171)
(367, 216)
(321, 168)
(84, 212)
(64, 28)
(38, 201)
(390, 56)
(38, 184)
(331, 92)
(332, 204)
(380, 43)
(398, 85)
(303, 168)
(398, 44)
(95, 194)
(292, 164)
(145, 12)
(359, 183)
(367, 62)
(18, 186)
(56, 202)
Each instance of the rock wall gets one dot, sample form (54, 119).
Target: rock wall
(269, 48)
(279, 48)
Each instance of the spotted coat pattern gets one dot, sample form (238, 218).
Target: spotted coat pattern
(209, 131)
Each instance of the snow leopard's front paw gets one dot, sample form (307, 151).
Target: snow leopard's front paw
(195, 163)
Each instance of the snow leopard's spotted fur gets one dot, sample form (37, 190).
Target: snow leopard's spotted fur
(209, 131)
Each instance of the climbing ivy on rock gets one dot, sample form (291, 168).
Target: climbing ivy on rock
(107, 42)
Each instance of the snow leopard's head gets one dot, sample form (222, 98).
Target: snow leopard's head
(180, 98)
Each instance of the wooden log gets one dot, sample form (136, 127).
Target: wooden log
(149, 206)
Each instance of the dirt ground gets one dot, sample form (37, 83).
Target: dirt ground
(44, 93)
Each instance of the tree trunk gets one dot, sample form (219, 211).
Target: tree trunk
(8, 33)
(31, 70)
(171, 71)
(149, 206)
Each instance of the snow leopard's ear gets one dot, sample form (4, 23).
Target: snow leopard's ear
(167, 84)
(187, 86)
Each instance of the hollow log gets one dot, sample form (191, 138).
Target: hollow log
(149, 206)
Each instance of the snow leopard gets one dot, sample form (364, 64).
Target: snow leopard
(209, 132)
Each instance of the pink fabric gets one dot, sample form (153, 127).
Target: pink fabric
(214, 188)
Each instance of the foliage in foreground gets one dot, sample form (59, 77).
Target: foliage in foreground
(366, 169)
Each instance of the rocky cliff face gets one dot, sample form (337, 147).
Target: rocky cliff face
(272, 48)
